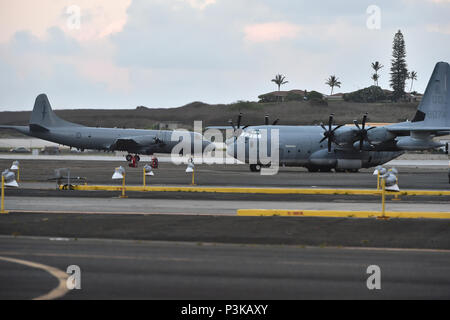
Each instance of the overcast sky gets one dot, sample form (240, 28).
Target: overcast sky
(166, 53)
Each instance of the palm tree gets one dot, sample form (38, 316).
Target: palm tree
(375, 78)
(333, 81)
(376, 66)
(413, 76)
(279, 80)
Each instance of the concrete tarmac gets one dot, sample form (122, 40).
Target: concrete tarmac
(182, 270)
(204, 206)
(192, 246)
(100, 172)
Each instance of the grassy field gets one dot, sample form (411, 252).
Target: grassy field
(290, 113)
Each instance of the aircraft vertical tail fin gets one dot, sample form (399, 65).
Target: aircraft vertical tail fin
(43, 116)
(434, 109)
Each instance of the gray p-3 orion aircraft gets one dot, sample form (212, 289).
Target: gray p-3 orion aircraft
(349, 148)
(46, 125)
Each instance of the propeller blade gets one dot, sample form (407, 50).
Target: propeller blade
(239, 120)
(324, 138)
(323, 127)
(364, 120)
(341, 125)
(356, 124)
(266, 119)
(330, 122)
(275, 122)
(361, 142)
(329, 145)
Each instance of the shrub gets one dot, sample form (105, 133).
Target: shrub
(267, 98)
(369, 94)
(292, 96)
(316, 98)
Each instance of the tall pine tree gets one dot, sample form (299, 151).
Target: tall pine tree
(399, 71)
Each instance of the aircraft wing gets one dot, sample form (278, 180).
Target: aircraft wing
(411, 127)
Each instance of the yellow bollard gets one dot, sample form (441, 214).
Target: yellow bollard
(18, 174)
(193, 178)
(2, 210)
(143, 177)
(378, 180)
(383, 200)
(123, 187)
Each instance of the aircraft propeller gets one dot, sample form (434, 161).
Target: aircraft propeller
(362, 131)
(237, 129)
(329, 133)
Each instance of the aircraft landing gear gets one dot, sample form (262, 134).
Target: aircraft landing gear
(133, 160)
(255, 167)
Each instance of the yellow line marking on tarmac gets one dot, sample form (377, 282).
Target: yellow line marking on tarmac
(61, 276)
(342, 213)
(260, 190)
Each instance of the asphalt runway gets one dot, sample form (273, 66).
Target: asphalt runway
(164, 270)
(100, 172)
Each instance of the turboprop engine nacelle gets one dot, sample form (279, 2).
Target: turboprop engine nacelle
(379, 135)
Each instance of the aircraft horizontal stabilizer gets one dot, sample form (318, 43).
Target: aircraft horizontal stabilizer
(21, 129)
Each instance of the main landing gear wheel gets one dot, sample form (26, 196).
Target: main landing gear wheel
(133, 160)
(255, 167)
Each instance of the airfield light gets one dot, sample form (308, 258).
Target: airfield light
(377, 173)
(16, 167)
(379, 170)
(119, 173)
(8, 179)
(388, 183)
(394, 173)
(147, 171)
(191, 168)
(390, 179)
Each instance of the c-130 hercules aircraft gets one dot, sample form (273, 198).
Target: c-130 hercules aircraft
(344, 148)
(46, 125)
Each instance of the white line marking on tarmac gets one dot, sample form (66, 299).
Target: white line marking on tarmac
(61, 276)
(123, 212)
